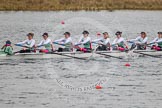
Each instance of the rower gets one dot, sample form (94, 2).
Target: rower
(85, 40)
(28, 45)
(66, 41)
(119, 43)
(140, 42)
(46, 43)
(104, 42)
(157, 42)
(7, 48)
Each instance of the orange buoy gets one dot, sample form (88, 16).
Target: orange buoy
(98, 87)
(127, 64)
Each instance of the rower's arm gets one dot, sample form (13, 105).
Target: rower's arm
(59, 40)
(86, 40)
(136, 39)
(52, 46)
(117, 41)
(96, 40)
(154, 40)
(125, 43)
(160, 40)
(69, 40)
(114, 42)
(3, 47)
(40, 44)
(22, 43)
(81, 38)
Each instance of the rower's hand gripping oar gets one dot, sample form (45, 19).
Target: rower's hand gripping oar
(28, 46)
(58, 43)
(148, 45)
(66, 54)
(105, 55)
(22, 46)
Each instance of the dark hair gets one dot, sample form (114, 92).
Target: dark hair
(45, 34)
(67, 33)
(85, 32)
(106, 33)
(118, 33)
(30, 34)
(8, 42)
(143, 32)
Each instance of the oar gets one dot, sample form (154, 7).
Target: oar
(98, 43)
(106, 56)
(146, 54)
(74, 46)
(67, 55)
(55, 53)
(22, 46)
(153, 42)
(28, 47)
(58, 43)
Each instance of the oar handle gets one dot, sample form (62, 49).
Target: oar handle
(25, 46)
(77, 44)
(18, 45)
(98, 43)
(154, 42)
(58, 43)
(130, 42)
(22, 46)
(40, 46)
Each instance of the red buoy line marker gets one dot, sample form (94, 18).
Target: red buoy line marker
(62, 22)
(127, 65)
(98, 87)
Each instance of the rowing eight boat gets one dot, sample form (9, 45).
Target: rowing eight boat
(115, 54)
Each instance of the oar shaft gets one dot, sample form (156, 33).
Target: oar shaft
(22, 46)
(106, 55)
(68, 56)
(146, 54)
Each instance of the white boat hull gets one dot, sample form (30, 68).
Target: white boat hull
(114, 54)
(61, 55)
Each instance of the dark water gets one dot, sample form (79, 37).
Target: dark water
(65, 83)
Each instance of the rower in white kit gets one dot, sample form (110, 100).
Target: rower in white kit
(119, 43)
(157, 42)
(140, 42)
(66, 42)
(104, 42)
(28, 45)
(85, 40)
(46, 43)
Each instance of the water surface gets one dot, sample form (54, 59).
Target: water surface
(65, 83)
